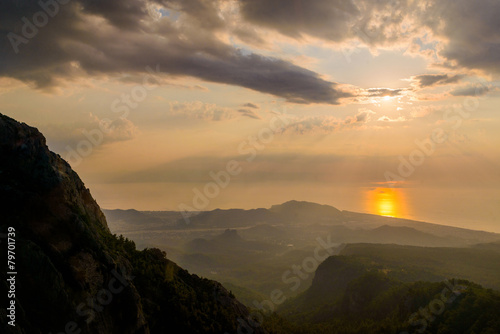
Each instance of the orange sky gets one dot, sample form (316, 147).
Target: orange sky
(149, 99)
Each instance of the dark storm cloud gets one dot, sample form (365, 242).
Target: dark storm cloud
(98, 38)
(325, 19)
(123, 14)
(248, 35)
(428, 80)
(110, 37)
(473, 31)
(204, 12)
(469, 30)
(372, 22)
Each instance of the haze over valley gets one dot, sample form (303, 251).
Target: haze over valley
(250, 166)
(252, 250)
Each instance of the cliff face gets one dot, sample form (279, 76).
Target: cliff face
(33, 175)
(62, 264)
(72, 273)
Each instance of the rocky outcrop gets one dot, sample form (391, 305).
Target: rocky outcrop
(62, 266)
(73, 275)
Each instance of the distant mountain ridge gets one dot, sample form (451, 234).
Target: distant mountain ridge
(299, 211)
(230, 218)
(369, 227)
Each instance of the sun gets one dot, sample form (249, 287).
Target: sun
(385, 202)
(387, 98)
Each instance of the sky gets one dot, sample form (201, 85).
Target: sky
(388, 107)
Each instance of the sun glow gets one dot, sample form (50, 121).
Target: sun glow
(385, 202)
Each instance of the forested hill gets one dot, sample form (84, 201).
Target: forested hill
(350, 295)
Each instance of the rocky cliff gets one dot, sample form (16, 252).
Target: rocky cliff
(73, 275)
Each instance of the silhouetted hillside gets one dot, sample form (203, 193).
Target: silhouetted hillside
(73, 273)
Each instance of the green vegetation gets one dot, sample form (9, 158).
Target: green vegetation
(479, 264)
(173, 298)
(372, 302)
(244, 295)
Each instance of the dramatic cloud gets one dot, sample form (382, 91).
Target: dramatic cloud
(429, 80)
(472, 29)
(53, 44)
(373, 22)
(468, 32)
(106, 38)
(326, 19)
